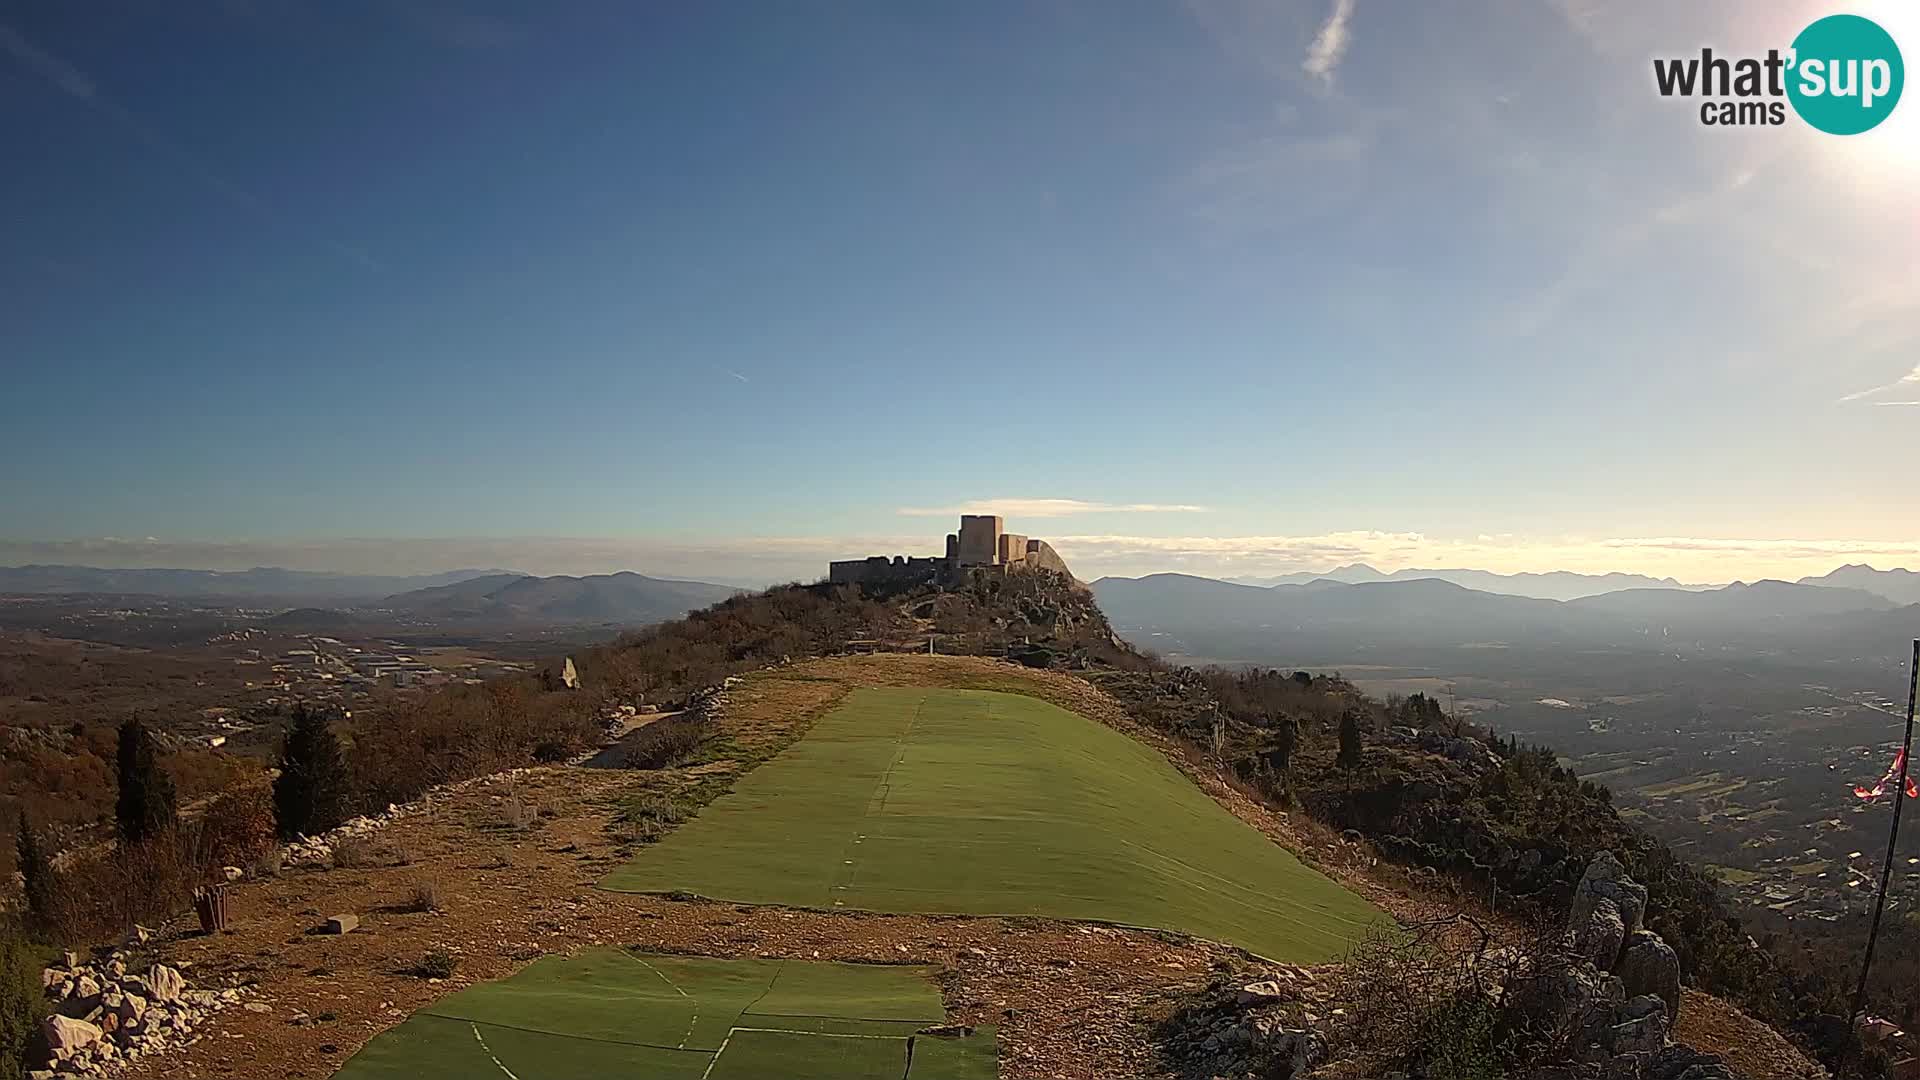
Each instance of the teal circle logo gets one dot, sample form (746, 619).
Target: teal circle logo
(1845, 74)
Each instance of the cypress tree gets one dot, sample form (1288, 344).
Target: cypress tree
(310, 794)
(1350, 744)
(146, 805)
(36, 867)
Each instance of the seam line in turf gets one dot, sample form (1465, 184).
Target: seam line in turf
(560, 1034)
(777, 972)
(691, 1024)
(880, 792)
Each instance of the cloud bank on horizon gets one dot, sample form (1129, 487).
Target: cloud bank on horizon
(766, 560)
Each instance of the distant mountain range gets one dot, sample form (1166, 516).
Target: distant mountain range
(263, 583)
(625, 597)
(1900, 586)
(1556, 585)
(1235, 621)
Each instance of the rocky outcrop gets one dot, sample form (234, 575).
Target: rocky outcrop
(104, 1015)
(1606, 879)
(1598, 939)
(1650, 966)
(1270, 1028)
(1613, 988)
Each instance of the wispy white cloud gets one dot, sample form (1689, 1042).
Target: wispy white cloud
(70, 80)
(1886, 404)
(1047, 508)
(1909, 379)
(1329, 46)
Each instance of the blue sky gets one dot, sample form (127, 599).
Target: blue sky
(727, 288)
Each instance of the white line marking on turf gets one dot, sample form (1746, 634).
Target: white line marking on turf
(489, 1051)
(816, 1034)
(691, 1024)
(788, 1031)
(716, 1055)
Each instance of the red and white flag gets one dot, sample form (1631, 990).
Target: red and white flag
(1890, 780)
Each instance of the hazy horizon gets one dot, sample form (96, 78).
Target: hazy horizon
(767, 560)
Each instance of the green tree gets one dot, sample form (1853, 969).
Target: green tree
(1286, 739)
(36, 868)
(146, 805)
(310, 794)
(20, 1002)
(1350, 743)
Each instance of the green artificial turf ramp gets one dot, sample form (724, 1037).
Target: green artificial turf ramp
(934, 1057)
(782, 1055)
(982, 803)
(617, 1013)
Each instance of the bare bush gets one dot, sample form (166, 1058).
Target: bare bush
(424, 897)
(102, 894)
(665, 743)
(1428, 1001)
(436, 964)
(404, 746)
(238, 827)
(518, 812)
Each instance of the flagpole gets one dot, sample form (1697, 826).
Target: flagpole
(1893, 835)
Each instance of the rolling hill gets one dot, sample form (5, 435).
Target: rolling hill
(260, 583)
(1555, 585)
(1223, 619)
(625, 597)
(1898, 585)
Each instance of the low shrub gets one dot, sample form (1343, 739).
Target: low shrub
(519, 813)
(424, 897)
(101, 894)
(20, 1001)
(665, 743)
(648, 818)
(238, 827)
(436, 964)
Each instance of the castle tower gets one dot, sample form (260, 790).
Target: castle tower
(980, 539)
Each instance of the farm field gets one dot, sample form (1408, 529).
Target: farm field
(611, 1012)
(982, 803)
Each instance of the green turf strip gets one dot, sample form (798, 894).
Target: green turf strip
(972, 802)
(615, 1013)
(971, 1058)
(436, 1048)
(781, 1055)
(865, 991)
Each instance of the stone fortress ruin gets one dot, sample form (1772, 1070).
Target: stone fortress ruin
(981, 546)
